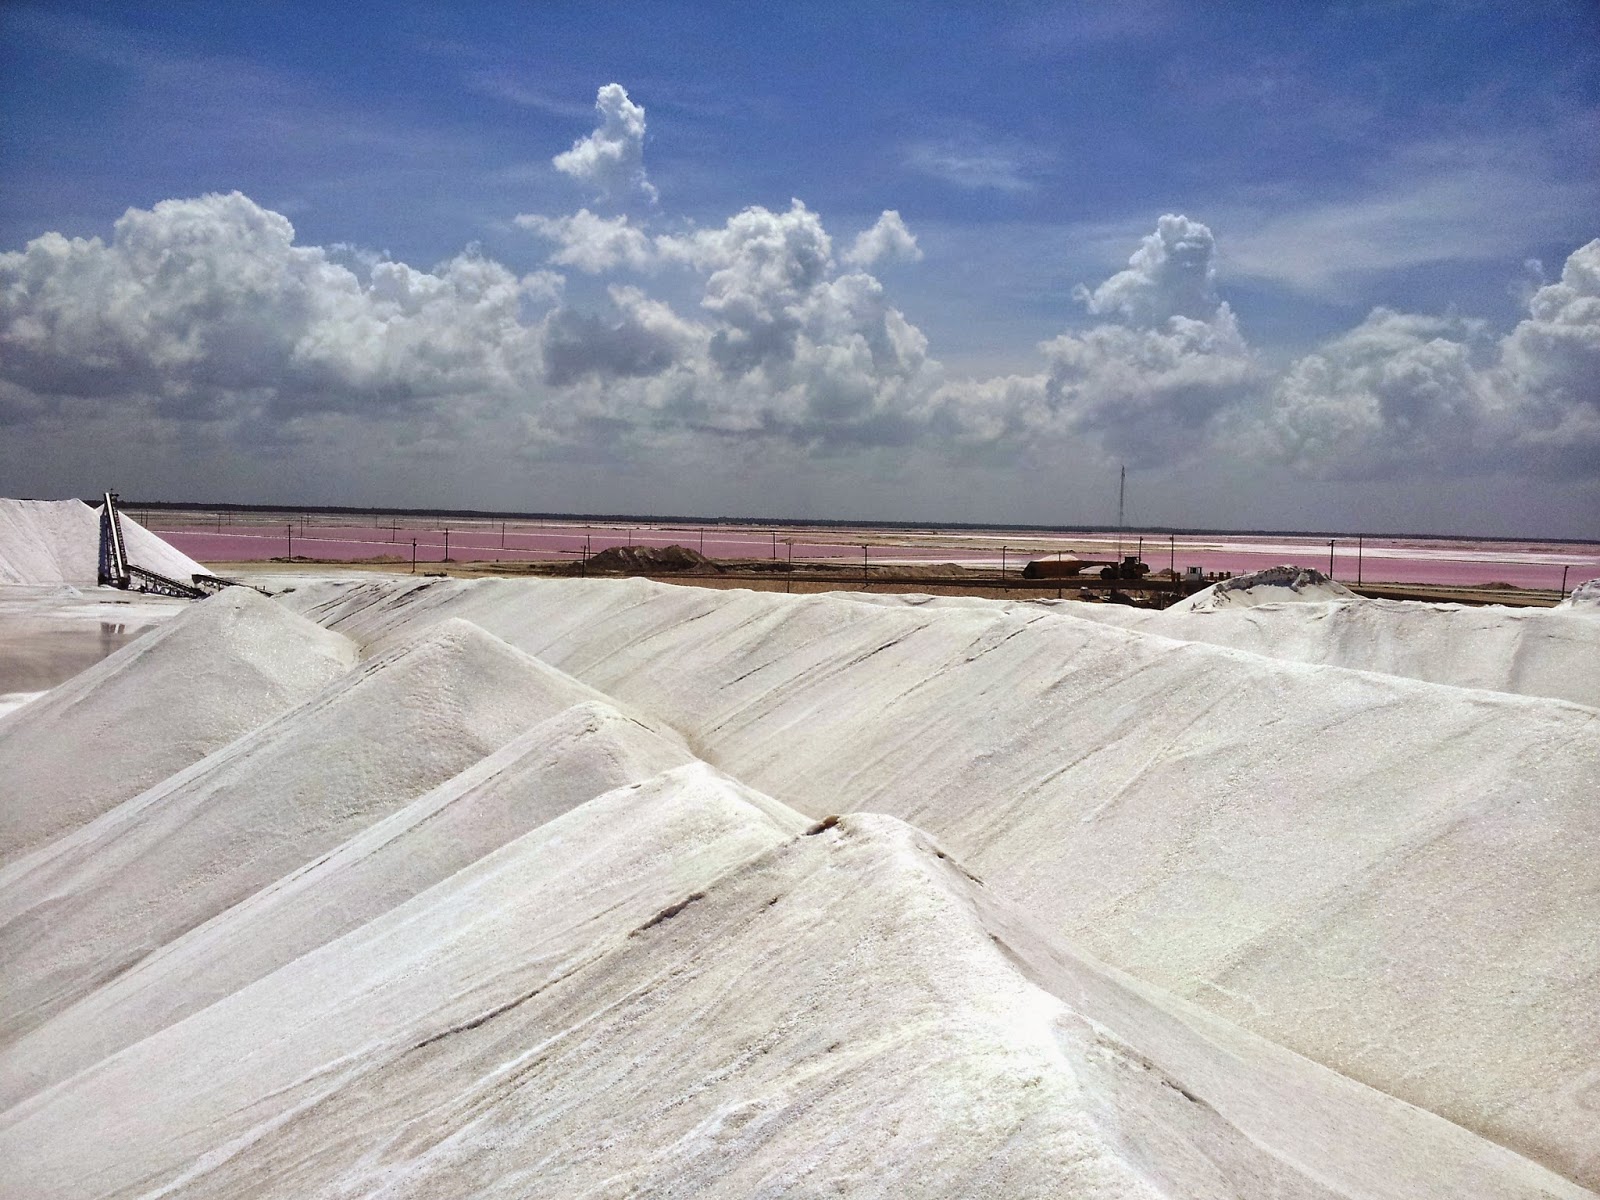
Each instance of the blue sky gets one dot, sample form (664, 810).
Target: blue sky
(1435, 161)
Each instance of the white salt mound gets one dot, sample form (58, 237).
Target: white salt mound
(1275, 585)
(1526, 651)
(512, 923)
(1367, 869)
(1585, 598)
(664, 992)
(58, 541)
(554, 767)
(88, 906)
(219, 669)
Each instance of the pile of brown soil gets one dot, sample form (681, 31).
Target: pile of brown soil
(649, 560)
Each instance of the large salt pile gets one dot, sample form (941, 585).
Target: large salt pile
(58, 541)
(467, 921)
(1367, 869)
(1525, 651)
(83, 908)
(1274, 585)
(559, 764)
(188, 687)
(666, 992)
(1528, 651)
(1585, 598)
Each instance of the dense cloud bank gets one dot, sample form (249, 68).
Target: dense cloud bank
(206, 310)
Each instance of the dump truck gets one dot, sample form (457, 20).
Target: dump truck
(1129, 568)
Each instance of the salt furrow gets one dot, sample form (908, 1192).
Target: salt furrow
(89, 906)
(841, 1013)
(1370, 870)
(187, 688)
(554, 767)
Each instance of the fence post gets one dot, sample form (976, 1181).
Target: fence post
(290, 528)
(413, 556)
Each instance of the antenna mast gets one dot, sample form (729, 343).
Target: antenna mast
(1122, 490)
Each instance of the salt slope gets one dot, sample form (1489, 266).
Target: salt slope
(512, 923)
(1301, 614)
(88, 906)
(843, 1013)
(1585, 598)
(576, 755)
(58, 541)
(1525, 651)
(1367, 869)
(1274, 585)
(183, 690)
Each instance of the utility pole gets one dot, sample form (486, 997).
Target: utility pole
(864, 566)
(1172, 555)
(1330, 558)
(1358, 559)
(774, 545)
(502, 535)
(290, 528)
(413, 556)
(1122, 489)
(1003, 581)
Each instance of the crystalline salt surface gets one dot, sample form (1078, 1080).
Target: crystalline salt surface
(391, 939)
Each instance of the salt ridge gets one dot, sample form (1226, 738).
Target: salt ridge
(91, 904)
(564, 1040)
(560, 763)
(189, 687)
(1523, 651)
(1364, 868)
(503, 982)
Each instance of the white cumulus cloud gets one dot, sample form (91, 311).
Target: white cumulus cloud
(1398, 393)
(207, 306)
(611, 159)
(888, 239)
(1172, 274)
(1402, 392)
(592, 243)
